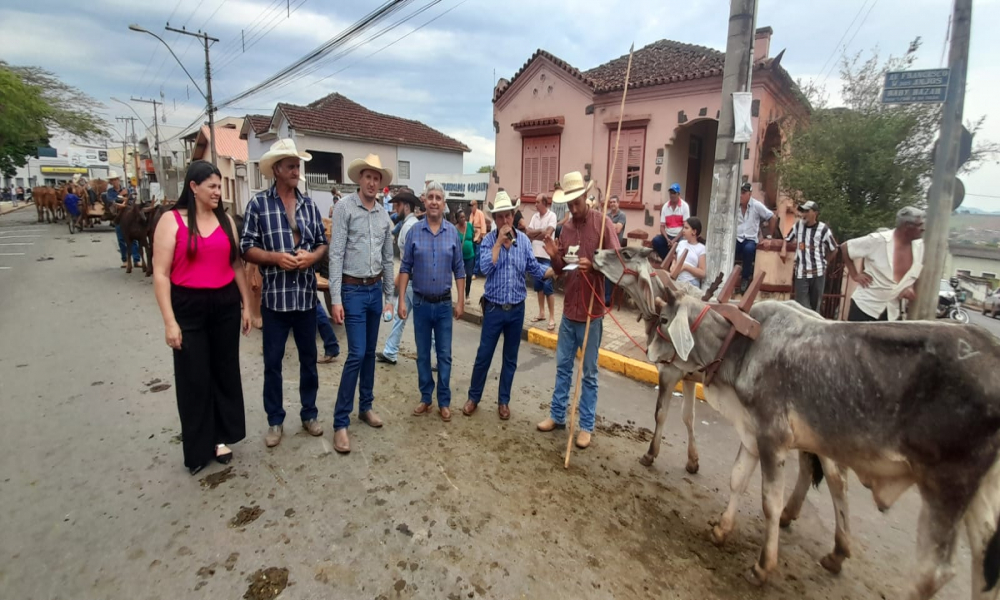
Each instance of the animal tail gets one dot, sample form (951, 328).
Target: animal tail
(817, 468)
(991, 561)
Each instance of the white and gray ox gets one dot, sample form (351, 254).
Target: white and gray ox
(902, 404)
(632, 271)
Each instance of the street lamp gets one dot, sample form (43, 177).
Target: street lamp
(133, 112)
(208, 76)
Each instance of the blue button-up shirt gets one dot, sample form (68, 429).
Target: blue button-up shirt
(505, 278)
(431, 259)
(266, 226)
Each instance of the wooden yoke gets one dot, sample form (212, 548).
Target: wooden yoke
(739, 318)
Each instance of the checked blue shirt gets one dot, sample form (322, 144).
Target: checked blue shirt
(430, 259)
(505, 279)
(265, 226)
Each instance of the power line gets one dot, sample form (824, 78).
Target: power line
(856, 31)
(235, 48)
(250, 43)
(227, 47)
(156, 49)
(983, 196)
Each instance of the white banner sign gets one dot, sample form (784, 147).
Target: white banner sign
(463, 187)
(741, 116)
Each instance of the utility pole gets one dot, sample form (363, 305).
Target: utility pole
(156, 124)
(207, 40)
(942, 193)
(728, 155)
(124, 120)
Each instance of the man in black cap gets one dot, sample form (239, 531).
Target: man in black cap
(749, 215)
(404, 203)
(814, 247)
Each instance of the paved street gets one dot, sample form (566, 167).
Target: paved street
(976, 317)
(97, 503)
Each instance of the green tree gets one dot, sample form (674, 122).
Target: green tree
(33, 103)
(485, 169)
(863, 161)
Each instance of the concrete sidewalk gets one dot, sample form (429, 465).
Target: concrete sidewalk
(6, 207)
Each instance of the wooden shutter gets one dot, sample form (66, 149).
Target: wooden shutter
(540, 165)
(631, 150)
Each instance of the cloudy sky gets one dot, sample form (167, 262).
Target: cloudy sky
(443, 71)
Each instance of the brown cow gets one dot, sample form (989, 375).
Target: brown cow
(134, 221)
(45, 203)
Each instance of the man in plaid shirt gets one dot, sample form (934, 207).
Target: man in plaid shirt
(283, 233)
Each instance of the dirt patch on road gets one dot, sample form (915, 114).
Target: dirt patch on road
(266, 584)
(246, 515)
(216, 479)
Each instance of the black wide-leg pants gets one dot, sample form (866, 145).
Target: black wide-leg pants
(207, 370)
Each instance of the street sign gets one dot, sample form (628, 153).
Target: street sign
(910, 87)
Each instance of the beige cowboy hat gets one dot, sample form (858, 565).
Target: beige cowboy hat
(112, 175)
(76, 177)
(503, 203)
(571, 187)
(371, 162)
(281, 149)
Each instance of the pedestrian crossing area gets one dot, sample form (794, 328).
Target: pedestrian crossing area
(15, 243)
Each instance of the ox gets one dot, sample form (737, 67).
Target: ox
(632, 271)
(902, 404)
(134, 221)
(45, 203)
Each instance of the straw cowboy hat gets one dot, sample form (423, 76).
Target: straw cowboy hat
(571, 187)
(281, 149)
(112, 175)
(373, 163)
(503, 203)
(76, 177)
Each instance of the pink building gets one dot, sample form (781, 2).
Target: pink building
(551, 118)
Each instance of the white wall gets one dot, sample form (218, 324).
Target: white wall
(424, 161)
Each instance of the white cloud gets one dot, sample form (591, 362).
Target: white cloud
(482, 148)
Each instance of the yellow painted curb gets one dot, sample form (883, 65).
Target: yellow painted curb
(629, 367)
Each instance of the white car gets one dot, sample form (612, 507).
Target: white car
(991, 306)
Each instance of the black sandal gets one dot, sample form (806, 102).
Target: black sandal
(223, 459)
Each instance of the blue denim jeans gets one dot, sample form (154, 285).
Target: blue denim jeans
(544, 285)
(362, 315)
(497, 321)
(476, 266)
(391, 348)
(136, 257)
(433, 318)
(661, 245)
(331, 346)
(570, 340)
(302, 324)
(747, 251)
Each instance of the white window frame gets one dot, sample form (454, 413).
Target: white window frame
(399, 165)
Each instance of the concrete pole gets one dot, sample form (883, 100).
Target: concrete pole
(208, 98)
(942, 193)
(721, 232)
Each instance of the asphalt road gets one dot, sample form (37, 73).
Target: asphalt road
(989, 323)
(97, 504)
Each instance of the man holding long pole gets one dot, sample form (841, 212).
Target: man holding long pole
(581, 233)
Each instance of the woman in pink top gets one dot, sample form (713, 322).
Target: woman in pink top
(199, 286)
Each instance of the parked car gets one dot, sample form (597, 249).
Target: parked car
(991, 306)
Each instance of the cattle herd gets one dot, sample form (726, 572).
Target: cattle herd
(901, 404)
(137, 221)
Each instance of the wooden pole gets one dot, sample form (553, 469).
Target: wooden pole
(590, 309)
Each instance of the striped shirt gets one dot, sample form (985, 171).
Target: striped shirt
(431, 258)
(505, 278)
(812, 244)
(361, 245)
(265, 226)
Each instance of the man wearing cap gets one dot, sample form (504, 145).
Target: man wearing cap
(404, 204)
(118, 197)
(432, 256)
(750, 213)
(283, 233)
(672, 217)
(361, 286)
(582, 233)
(504, 265)
(814, 247)
(893, 260)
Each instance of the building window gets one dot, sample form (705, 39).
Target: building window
(539, 165)
(628, 176)
(404, 169)
(987, 275)
(965, 272)
(258, 178)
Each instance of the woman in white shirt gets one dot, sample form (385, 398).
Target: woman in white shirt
(693, 270)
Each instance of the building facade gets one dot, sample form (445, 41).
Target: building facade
(551, 118)
(231, 151)
(336, 130)
(66, 157)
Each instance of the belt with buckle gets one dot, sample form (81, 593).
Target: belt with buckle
(506, 307)
(436, 299)
(349, 280)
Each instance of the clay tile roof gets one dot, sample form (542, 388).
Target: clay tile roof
(337, 115)
(227, 143)
(665, 61)
(260, 123)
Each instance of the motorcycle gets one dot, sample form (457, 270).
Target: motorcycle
(949, 306)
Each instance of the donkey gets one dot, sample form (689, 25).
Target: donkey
(902, 404)
(632, 270)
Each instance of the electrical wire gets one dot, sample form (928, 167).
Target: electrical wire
(234, 46)
(250, 43)
(856, 31)
(842, 36)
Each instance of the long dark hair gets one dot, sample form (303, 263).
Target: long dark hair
(695, 224)
(198, 172)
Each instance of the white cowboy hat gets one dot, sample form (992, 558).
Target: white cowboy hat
(503, 203)
(76, 177)
(571, 188)
(373, 163)
(112, 174)
(281, 149)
